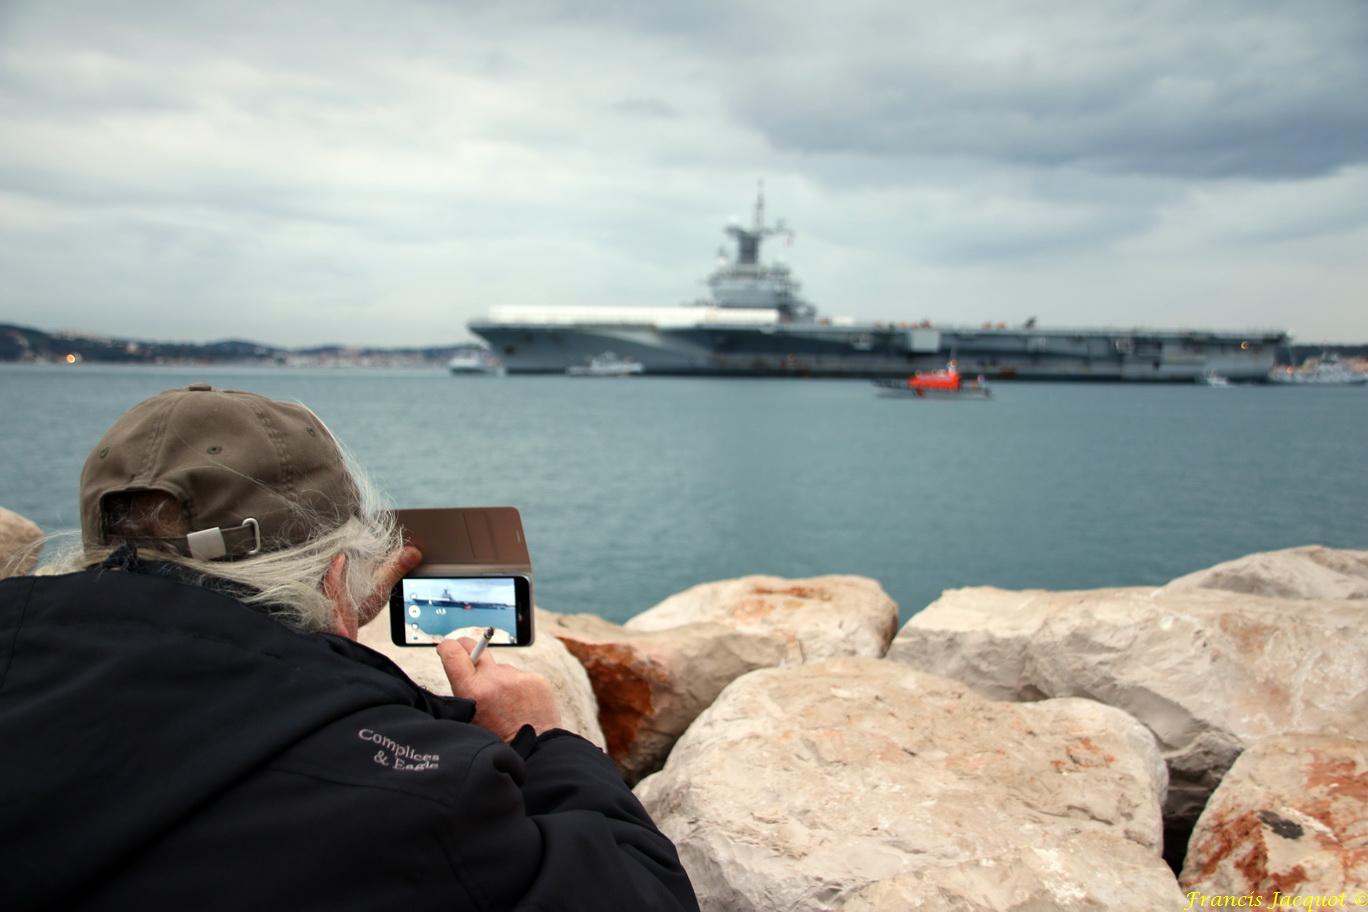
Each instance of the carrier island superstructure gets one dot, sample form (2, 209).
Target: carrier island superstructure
(755, 323)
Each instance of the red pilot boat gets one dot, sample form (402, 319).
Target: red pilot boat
(941, 384)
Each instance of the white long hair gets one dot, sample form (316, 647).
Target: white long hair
(287, 582)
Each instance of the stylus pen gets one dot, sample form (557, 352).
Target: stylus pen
(481, 643)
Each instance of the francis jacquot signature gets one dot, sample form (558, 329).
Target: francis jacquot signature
(393, 755)
(1279, 900)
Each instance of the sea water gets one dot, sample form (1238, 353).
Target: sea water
(634, 489)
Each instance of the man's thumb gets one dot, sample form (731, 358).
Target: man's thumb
(455, 656)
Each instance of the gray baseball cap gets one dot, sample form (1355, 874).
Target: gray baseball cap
(251, 474)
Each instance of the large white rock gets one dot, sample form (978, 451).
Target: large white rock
(1093, 871)
(547, 656)
(1208, 672)
(651, 684)
(818, 618)
(20, 542)
(1291, 816)
(860, 781)
(1311, 571)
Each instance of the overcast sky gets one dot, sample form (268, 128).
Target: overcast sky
(382, 172)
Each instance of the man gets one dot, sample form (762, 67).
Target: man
(187, 722)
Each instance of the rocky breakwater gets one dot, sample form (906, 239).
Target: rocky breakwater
(654, 675)
(20, 542)
(1210, 671)
(862, 784)
(1289, 819)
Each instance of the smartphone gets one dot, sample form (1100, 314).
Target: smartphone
(476, 573)
(426, 609)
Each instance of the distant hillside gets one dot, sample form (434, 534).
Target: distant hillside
(21, 343)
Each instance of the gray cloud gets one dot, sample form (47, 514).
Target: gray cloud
(1224, 88)
(1209, 90)
(646, 107)
(408, 164)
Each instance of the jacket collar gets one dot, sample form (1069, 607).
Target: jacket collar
(126, 557)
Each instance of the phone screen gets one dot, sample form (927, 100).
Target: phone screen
(425, 610)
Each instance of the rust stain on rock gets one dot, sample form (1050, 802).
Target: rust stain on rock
(1225, 835)
(799, 592)
(1084, 752)
(761, 604)
(622, 684)
(1339, 774)
(1343, 809)
(1250, 637)
(1089, 745)
(1228, 836)
(1285, 883)
(753, 609)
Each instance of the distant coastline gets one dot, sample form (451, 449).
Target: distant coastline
(22, 344)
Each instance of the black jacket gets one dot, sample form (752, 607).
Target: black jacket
(163, 746)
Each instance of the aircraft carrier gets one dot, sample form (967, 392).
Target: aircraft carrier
(755, 323)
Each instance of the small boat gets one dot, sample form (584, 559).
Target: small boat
(475, 362)
(607, 364)
(1211, 378)
(1329, 370)
(940, 384)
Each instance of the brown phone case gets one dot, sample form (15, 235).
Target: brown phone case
(467, 540)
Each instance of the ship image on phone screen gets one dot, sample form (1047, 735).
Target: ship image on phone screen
(437, 606)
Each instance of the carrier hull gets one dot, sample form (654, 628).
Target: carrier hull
(875, 350)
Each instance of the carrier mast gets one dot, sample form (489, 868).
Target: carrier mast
(748, 241)
(745, 282)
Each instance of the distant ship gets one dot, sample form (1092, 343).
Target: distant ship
(1329, 370)
(755, 323)
(474, 362)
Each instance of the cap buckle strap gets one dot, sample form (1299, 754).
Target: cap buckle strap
(212, 544)
(256, 535)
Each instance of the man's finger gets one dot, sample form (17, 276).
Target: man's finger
(455, 656)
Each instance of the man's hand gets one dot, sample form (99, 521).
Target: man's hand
(506, 698)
